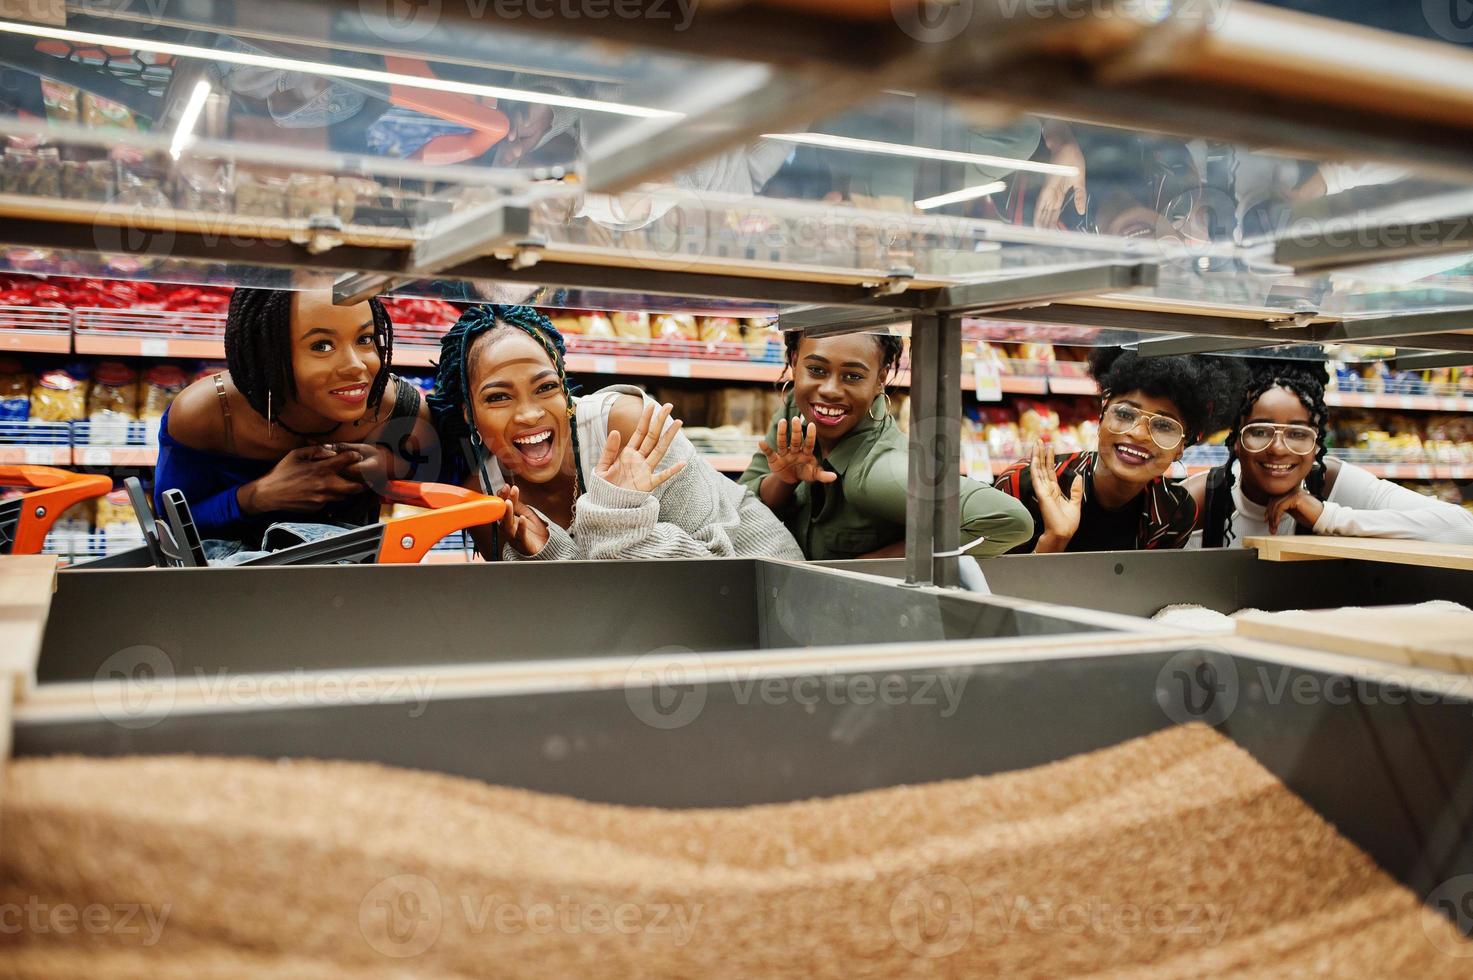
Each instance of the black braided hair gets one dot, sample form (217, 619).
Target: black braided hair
(1204, 389)
(891, 349)
(1307, 383)
(450, 404)
(258, 349)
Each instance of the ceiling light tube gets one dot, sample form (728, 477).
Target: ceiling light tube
(184, 134)
(334, 71)
(965, 194)
(921, 153)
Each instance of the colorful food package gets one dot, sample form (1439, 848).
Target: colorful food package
(99, 112)
(720, 330)
(60, 100)
(30, 167)
(311, 195)
(140, 179)
(758, 332)
(1036, 420)
(676, 326)
(114, 512)
(1036, 352)
(114, 391)
(160, 386)
(58, 397)
(596, 325)
(15, 391)
(567, 325)
(260, 197)
(632, 326)
(87, 180)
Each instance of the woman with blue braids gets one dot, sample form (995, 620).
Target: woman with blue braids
(604, 476)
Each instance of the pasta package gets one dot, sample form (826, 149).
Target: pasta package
(720, 330)
(161, 385)
(115, 511)
(632, 326)
(114, 392)
(596, 325)
(58, 397)
(680, 326)
(15, 391)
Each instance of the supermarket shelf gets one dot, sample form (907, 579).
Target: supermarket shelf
(1406, 403)
(149, 333)
(40, 330)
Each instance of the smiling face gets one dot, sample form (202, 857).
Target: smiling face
(1134, 457)
(1276, 470)
(334, 360)
(834, 381)
(518, 404)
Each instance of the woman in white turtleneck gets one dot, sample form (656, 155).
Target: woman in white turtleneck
(1281, 480)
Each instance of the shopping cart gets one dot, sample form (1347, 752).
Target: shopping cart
(26, 520)
(171, 539)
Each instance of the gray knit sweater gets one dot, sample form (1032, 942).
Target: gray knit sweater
(698, 514)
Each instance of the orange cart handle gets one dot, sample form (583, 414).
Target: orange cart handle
(432, 495)
(56, 490)
(407, 540)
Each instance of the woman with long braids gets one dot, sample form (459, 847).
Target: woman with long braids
(305, 420)
(608, 475)
(1118, 498)
(834, 465)
(1279, 479)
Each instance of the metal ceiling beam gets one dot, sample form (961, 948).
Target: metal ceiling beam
(1371, 329)
(1176, 346)
(972, 298)
(1414, 362)
(1343, 246)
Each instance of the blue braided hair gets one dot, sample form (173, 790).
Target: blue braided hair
(450, 404)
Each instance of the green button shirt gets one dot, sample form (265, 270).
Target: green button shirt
(864, 509)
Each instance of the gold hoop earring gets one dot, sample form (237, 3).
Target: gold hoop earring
(785, 389)
(884, 411)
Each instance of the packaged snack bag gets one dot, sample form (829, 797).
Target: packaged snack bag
(58, 397)
(15, 391)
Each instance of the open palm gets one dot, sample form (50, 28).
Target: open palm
(1060, 511)
(633, 467)
(793, 459)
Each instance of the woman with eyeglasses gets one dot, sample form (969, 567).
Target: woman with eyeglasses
(1280, 481)
(1118, 498)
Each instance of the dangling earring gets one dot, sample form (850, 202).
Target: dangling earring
(270, 417)
(785, 389)
(884, 411)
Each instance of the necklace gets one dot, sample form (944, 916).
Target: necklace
(308, 435)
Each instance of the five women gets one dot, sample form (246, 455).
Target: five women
(308, 420)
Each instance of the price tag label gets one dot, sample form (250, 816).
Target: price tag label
(97, 457)
(987, 379)
(680, 368)
(40, 455)
(605, 365)
(153, 348)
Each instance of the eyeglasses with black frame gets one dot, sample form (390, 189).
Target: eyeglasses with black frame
(1165, 431)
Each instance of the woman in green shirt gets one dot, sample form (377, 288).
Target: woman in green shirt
(834, 464)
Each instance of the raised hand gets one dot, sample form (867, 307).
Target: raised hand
(793, 460)
(633, 466)
(1060, 512)
(524, 530)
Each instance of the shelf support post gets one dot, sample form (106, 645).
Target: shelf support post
(932, 513)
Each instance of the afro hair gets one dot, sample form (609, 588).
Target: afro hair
(1206, 390)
